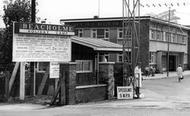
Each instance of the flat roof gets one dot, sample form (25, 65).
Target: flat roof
(97, 44)
(121, 18)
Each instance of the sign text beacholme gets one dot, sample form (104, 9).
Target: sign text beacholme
(43, 29)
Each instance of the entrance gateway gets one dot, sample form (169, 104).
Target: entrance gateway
(34, 42)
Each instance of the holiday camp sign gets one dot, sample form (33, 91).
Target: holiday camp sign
(41, 42)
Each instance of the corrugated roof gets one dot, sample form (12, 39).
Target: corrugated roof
(97, 44)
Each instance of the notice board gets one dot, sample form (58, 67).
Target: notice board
(41, 43)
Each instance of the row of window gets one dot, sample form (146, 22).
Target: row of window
(166, 36)
(104, 33)
(155, 35)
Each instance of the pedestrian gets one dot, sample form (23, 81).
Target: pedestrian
(138, 79)
(147, 71)
(179, 71)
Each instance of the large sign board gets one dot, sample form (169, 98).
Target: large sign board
(41, 43)
(124, 92)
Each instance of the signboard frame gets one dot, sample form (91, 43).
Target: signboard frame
(34, 42)
(124, 92)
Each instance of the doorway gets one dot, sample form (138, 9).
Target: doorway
(172, 63)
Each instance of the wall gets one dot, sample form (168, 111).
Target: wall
(91, 93)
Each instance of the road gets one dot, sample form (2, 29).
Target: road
(162, 97)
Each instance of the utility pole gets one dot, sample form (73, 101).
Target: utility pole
(168, 50)
(131, 36)
(32, 64)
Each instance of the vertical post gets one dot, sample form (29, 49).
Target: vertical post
(97, 74)
(33, 11)
(34, 81)
(7, 77)
(22, 81)
(107, 73)
(67, 83)
(32, 64)
(168, 50)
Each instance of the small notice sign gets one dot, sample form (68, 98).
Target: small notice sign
(124, 92)
(54, 70)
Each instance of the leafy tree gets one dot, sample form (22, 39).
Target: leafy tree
(18, 11)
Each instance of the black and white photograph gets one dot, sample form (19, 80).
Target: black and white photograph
(94, 58)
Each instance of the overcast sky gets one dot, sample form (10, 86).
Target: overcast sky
(54, 10)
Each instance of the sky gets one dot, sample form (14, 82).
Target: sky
(54, 10)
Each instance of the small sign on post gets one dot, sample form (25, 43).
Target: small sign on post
(124, 92)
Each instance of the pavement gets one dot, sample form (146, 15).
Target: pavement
(164, 75)
(149, 100)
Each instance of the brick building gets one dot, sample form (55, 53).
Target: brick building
(156, 35)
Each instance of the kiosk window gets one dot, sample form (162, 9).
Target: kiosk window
(84, 65)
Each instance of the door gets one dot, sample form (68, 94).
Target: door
(172, 63)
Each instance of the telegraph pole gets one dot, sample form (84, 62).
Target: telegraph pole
(33, 11)
(32, 64)
(131, 31)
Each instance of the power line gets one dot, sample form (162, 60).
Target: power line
(163, 4)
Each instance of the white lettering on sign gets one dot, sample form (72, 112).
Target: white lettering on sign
(35, 28)
(39, 48)
(125, 92)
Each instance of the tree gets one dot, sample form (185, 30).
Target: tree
(18, 11)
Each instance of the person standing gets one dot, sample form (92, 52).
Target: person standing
(179, 71)
(138, 79)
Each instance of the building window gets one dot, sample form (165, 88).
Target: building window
(100, 33)
(159, 36)
(79, 32)
(185, 58)
(152, 58)
(179, 39)
(167, 36)
(128, 34)
(106, 34)
(119, 57)
(153, 35)
(174, 38)
(94, 33)
(120, 33)
(183, 39)
(84, 66)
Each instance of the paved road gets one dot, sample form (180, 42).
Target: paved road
(162, 97)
